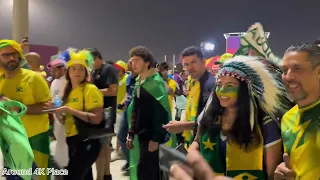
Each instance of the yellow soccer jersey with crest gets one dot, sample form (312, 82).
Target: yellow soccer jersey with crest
(92, 98)
(300, 129)
(29, 88)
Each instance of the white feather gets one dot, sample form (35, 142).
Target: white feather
(271, 88)
(252, 115)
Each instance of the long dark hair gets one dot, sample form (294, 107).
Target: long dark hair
(68, 88)
(241, 130)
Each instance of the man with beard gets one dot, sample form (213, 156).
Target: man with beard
(202, 83)
(300, 126)
(105, 78)
(32, 90)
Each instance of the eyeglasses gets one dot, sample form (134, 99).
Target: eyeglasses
(8, 55)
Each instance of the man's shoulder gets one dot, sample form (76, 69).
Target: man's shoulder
(211, 79)
(292, 113)
(27, 72)
(107, 67)
(209, 84)
(33, 76)
(90, 86)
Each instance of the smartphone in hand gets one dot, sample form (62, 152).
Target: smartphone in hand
(169, 156)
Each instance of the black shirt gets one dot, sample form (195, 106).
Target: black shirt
(148, 114)
(207, 83)
(103, 78)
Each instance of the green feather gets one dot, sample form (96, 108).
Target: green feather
(90, 59)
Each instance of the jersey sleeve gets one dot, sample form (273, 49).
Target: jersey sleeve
(270, 131)
(173, 85)
(40, 89)
(93, 97)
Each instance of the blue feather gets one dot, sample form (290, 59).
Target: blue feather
(65, 55)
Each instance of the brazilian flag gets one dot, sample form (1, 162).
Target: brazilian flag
(154, 85)
(15, 147)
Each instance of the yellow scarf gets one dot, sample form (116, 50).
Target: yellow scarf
(239, 163)
(192, 108)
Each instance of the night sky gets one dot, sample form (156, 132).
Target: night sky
(165, 26)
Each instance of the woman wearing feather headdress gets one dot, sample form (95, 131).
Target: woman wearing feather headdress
(82, 102)
(238, 132)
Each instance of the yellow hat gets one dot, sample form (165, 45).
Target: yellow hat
(121, 65)
(7, 42)
(224, 57)
(72, 57)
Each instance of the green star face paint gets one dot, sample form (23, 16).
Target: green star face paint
(228, 91)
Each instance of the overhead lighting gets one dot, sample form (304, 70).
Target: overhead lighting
(208, 46)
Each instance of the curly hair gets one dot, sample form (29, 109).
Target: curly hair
(144, 53)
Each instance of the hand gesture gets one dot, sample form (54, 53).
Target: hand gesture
(129, 142)
(198, 169)
(285, 170)
(153, 146)
(48, 105)
(174, 127)
(62, 109)
(186, 92)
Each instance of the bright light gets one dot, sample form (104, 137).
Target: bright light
(209, 46)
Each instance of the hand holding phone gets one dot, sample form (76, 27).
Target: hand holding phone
(170, 156)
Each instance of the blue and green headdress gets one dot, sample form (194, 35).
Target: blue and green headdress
(262, 74)
(266, 89)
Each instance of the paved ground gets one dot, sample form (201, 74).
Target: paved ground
(115, 166)
(117, 174)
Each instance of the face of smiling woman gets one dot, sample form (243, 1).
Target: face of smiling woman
(227, 91)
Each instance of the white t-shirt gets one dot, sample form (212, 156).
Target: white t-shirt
(61, 152)
(57, 87)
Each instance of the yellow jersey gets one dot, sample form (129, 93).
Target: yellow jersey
(92, 97)
(300, 129)
(122, 88)
(29, 88)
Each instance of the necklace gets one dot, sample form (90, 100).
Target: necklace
(226, 124)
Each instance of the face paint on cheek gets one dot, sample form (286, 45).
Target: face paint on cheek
(231, 92)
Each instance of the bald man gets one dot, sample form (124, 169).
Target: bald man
(34, 61)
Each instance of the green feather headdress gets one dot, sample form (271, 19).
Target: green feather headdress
(262, 74)
(265, 89)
